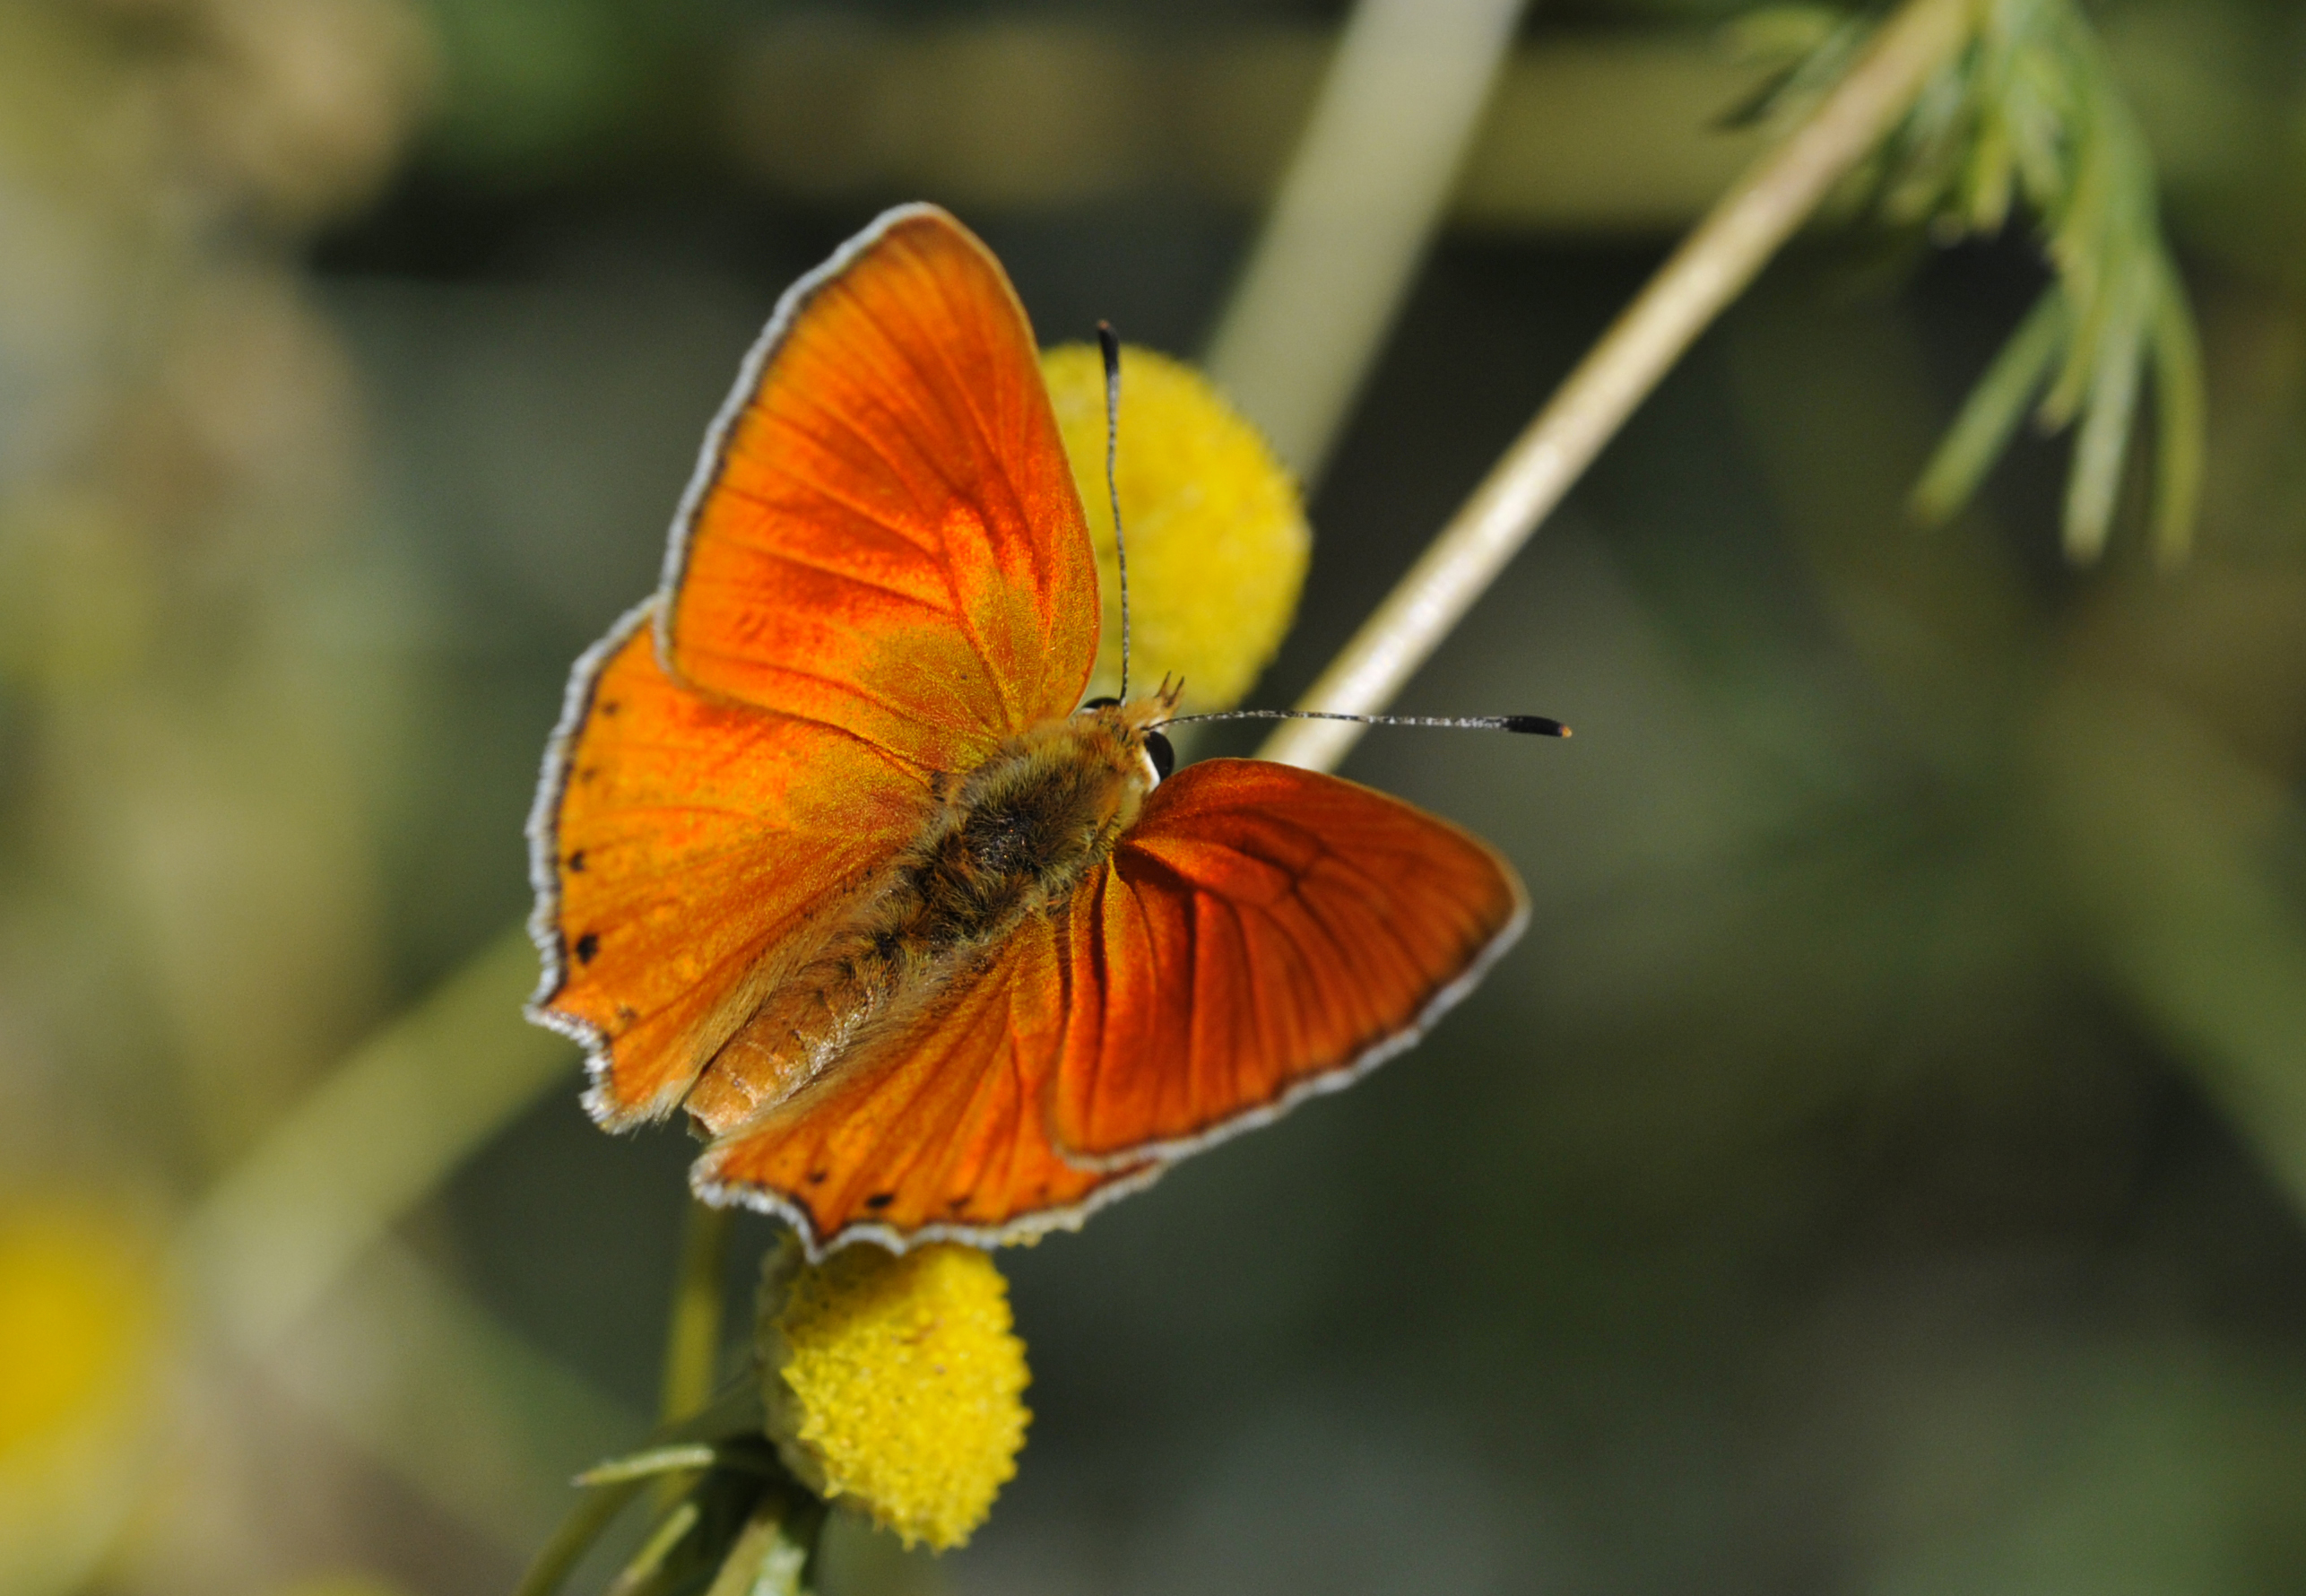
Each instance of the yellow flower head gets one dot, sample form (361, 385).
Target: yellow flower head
(1217, 541)
(894, 1380)
(80, 1327)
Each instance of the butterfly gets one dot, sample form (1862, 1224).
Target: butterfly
(829, 853)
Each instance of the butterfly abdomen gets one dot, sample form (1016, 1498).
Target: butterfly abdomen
(1010, 839)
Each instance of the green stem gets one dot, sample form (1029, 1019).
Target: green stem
(692, 1335)
(670, 1530)
(735, 1413)
(577, 1531)
(773, 1552)
(407, 1108)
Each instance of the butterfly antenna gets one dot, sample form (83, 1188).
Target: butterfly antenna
(1108, 342)
(1532, 725)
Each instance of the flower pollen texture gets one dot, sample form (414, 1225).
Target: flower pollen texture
(896, 1380)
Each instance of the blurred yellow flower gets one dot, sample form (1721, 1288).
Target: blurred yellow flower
(80, 1322)
(894, 1380)
(1217, 540)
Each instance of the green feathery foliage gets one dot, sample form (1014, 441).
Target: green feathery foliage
(2029, 114)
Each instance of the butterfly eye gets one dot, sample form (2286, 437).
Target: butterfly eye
(1163, 757)
(1101, 703)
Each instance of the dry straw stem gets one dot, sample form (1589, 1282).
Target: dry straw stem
(1713, 266)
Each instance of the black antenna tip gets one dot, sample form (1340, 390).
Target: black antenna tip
(1535, 725)
(1108, 342)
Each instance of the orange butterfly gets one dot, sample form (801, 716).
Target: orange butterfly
(828, 851)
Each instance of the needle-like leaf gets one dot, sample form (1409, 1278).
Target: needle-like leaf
(2177, 420)
(2029, 114)
(1995, 408)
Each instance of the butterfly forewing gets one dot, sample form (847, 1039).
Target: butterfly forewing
(889, 538)
(683, 840)
(1264, 931)
(881, 570)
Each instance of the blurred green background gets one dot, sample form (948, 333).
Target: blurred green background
(1879, 1170)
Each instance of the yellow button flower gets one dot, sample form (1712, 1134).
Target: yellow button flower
(895, 1380)
(79, 1332)
(1217, 540)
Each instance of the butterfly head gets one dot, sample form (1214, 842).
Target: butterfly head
(1134, 728)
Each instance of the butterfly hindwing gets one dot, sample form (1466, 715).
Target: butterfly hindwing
(936, 1128)
(1263, 932)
